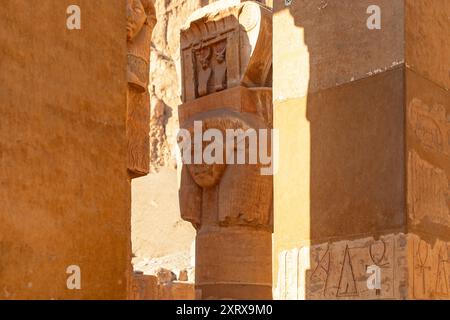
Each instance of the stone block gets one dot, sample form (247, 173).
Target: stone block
(427, 45)
(323, 44)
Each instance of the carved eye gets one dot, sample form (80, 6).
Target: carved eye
(138, 9)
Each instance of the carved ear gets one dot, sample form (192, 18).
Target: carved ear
(150, 11)
(190, 195)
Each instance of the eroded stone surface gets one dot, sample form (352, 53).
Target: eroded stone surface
(427, 44)
(337, 270)
(65, 193)
(428, 192)
(323, 44)
(411, 268)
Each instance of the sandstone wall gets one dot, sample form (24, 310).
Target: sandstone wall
(364, 150)
(338, 103)
(65, 193)
(427, 107)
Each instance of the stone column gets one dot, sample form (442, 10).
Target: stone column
(358, 187)
(141, 19)
(226, 56)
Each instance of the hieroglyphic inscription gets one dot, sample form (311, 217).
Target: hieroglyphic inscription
(431, 126)
(430, 269)
(411, 268)
(339, 270)
(141, 19)
(428, 192)
(219, 48)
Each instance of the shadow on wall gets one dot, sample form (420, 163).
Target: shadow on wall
(350, 185)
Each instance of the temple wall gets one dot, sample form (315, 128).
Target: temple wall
(364, 150)
(340, 116)
(428, 145)
(428, 117)
(338, 103)
(65, 192)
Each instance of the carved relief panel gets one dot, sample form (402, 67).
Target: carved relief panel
(428, 164)
(225, 45)
(339, 270)
(429, 192)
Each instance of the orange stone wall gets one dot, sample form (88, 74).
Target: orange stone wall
(338, 105)
(364, 149)
(64, 189)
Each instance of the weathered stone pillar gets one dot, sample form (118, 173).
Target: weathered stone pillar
(358, 186)
(141, 19)
(226, 51)
(64, 187)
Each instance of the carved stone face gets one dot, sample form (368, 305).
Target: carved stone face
(206, 175)
(136, 18)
